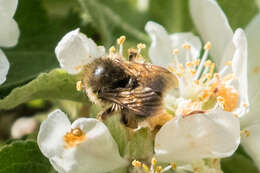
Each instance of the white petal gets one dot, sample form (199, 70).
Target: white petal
(8, 8)
(160, 50)
(52, 130)
(212, 135)
(9, 32)
(163, 44)
(253, 37)
(75, 50)
(4, 67)
(253, 115)
(23, 126)
(213, 26)
(251, 143)
(99, 153)
(239, 67)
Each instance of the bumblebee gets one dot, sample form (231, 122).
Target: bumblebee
(136, 89)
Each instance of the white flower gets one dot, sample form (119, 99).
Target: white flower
(76, 50)
(9, 33)
(251, 122)
(200, 129)
(83, 146)
(23, 126)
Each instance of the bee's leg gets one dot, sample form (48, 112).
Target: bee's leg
(103, 115)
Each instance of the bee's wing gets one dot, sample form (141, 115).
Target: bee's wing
(142, 101)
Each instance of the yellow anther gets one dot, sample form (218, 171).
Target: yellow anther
(245, 105)
(186, 46)
(196, 82)
(212, 67)
(153, 161)
(181, 67)
(217, 76)
(228, 63)
(74, 137)
(189, 64)
(229, 77)
(79, 86)
(174, 166)
(175, 51)
(193, 71)
(121, 40)
(207, 46)
(158, 169)
(137, 164)
(112, 50)
(230, 96)
(220, 99)
(197, 62)
(207, 63)
(141, 46)
(247, 133)
(145, 168)
(78, 67)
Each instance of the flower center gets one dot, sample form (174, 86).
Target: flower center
(74, 137)
(200, 84)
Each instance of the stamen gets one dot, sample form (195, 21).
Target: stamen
(228, 63)
(153, 161)
(112, 50)
(175, 51)
(120, 42)
(74, 137)
(247, 133)
(145, 168)
(207, 46)
(79, 86)
(137, 164)
(174, 166)
(158, 169)
(197, 62)
(187, 47)
(230, 97)
(140, 46)
(204, 58)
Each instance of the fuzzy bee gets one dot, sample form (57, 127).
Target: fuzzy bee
(135, 89)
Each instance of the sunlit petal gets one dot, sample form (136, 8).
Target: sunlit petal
(76, 50)
(212, 135)
(52, 130)
(9, 32)
(4, 67)
(251, 143)
(213, 26)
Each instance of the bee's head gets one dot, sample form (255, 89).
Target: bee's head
(104, 73)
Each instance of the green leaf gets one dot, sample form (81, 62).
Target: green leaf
(238, 163)
(39, 34)
(172, 14)
(140, 145)
(239, 12)
(118, 131)
(21, 157)
(114, 18)
(56, 84)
